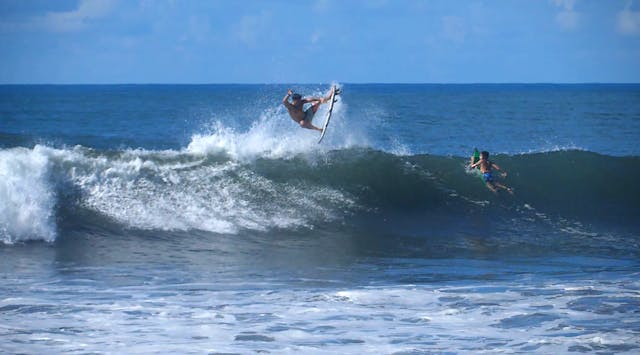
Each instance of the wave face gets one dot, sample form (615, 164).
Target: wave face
(222, 191)
(153, 190)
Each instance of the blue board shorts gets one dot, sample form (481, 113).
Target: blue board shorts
(487, 177)
(308, 114)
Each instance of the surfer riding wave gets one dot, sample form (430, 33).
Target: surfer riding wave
(296, 107)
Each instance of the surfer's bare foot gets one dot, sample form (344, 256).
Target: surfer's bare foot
(308, 125)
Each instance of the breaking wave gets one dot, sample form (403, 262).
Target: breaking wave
(227, 190)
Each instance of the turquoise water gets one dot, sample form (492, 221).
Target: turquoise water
(199, 218)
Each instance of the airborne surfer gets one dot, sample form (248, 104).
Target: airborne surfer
(486, 167)
(296, 107)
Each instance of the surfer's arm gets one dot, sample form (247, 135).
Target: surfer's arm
(494, 165)
(285, 100)
(473, 165)
(286, 103)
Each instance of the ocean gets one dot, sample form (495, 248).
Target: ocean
(202, 219)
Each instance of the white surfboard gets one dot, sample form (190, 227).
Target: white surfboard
(326, 121)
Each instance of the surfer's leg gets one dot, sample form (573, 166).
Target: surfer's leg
(328, 97)
(510, 190)
(308, 125)
(315, 106)
(492, 187)
(308, 118)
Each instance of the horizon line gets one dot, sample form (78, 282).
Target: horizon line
(328, 83)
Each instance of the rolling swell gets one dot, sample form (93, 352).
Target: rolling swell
(571, 183)
(361, 188)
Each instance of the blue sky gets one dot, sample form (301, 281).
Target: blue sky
(319, 41)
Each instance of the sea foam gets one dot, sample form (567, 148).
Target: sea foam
(276, 136)
(27, 199)
(150, 190)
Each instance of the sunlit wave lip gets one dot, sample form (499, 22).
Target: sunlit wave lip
(551, 148)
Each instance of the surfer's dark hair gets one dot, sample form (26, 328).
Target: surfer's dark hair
(296, 96)
(484, 154)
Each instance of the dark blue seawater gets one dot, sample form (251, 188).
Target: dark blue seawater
(201, 218)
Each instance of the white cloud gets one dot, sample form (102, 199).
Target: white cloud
(315, 41)
(250, 27)
(376, 4)
(629, 21)
(568, 4)
(66, 21)
(316, 36)
(453, 28)
(200, 28)
(77, 19)
(321, 6)
(567, 18)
